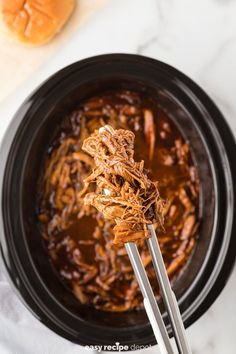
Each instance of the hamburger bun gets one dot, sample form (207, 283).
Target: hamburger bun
(35, 21)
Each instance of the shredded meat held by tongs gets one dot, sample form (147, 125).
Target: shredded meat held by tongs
(124, 192)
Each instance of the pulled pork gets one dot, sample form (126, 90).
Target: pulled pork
(78, 238)
(124, 192)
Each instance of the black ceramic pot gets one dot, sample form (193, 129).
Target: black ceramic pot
(29, 135)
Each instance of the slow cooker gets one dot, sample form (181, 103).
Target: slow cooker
(27, 139)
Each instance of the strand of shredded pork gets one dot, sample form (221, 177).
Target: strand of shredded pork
(124, 193)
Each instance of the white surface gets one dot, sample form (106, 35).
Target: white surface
(197, 37)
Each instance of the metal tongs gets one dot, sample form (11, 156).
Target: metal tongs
(149, 299)
(168, 296)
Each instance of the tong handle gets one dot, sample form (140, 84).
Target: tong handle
(149, 301)
(167, 293)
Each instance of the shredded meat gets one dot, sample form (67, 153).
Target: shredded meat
(149, 129)
(124, 192)
(78, 238)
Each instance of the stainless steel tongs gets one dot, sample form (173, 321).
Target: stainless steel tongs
(149, 300)
(168, 296)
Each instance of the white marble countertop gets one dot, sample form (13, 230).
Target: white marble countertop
(197, 37)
